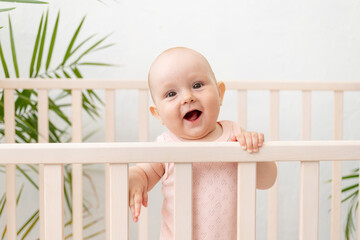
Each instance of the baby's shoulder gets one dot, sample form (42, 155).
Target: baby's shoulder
(230, 126)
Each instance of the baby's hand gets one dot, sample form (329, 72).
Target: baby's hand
(249, 141)
(137, 192)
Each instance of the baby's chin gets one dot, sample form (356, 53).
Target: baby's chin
(192, 137)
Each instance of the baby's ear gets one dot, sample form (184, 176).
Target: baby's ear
(221, 90)
(155, 112)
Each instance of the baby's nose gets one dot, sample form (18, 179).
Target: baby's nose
(188, 97)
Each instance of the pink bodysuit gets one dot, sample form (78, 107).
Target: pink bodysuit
(214, 194)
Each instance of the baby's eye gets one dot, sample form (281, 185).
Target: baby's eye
(170, 94)
(197, 85)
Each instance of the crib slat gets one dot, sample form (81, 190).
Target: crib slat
(242, 108)
(117, 194)
(309, 186)
(53, 202)
(143, 115)
(9, 115)
(110, 115)
(143, 137)
(41, 202)
(337, 169)
(11, 201)
(309, 201)
(77, 195)
(43, 131)
(9, 111)
(109, 137)
(246, 205)
(43, 119)
(306, 115)
(183, 201)
(76, 115)
(274, 115)
(273, 191)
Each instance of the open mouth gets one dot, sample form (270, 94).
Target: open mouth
(192, 115)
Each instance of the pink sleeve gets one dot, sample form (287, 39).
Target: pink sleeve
(153, 170)
(164, 138)
(161, 138)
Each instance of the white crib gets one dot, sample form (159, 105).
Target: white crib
(117, 156)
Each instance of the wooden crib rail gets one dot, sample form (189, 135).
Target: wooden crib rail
(81, 153)
(52, 156)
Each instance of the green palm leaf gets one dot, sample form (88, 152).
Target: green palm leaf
(42, 43)
(30, 227)
(6, 9)
(13, 49)
(27, 176)
(91, 48)
(28, 221)
(24, 1)
(37, 41)
(26, 114)
(81, 44)
(2, 203)
(6, 71)
(51, 48)
(96, 64)
(68, 51)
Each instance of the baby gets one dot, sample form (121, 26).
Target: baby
(187, 100)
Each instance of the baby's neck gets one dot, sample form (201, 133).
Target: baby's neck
(211, 136)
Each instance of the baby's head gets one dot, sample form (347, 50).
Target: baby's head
(186, 95)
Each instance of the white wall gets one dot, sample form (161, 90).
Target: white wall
(243, 40)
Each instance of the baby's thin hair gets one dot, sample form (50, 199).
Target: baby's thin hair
(173, 49)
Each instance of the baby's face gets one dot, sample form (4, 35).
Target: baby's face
(186, 95)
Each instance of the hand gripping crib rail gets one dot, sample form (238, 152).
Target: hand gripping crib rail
(117, 156)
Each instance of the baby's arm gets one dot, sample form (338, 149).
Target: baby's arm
(142, 178)
(266, 172)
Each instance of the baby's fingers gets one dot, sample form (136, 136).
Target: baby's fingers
(249, 143)
(261, 139)
(255, 140)
(241, 139)
(132, 209)
(145, 199)
(138, 201)
(135, 206)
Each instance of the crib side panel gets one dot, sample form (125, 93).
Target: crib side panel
(51, 177)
